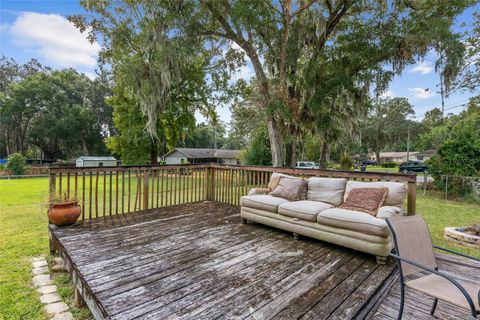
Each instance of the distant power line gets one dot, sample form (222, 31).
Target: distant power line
(447, 108)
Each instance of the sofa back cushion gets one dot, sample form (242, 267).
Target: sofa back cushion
(367, 200)
(329, 190)
(289, 188)
(397, 191)
(275, 179)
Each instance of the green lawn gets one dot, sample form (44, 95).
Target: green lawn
(23, 235)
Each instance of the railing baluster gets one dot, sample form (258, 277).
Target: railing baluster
(90, 196)
(83, 195)
(96, 194)
(60, 178)
(104, 193)
(129, 190)
(116, 192)
(68, 185)
(123, 191)
(110, 193)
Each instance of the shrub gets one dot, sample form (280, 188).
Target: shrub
(16, 163)
(389, 165)
(346, 163)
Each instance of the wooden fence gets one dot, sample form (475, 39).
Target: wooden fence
(107, 191)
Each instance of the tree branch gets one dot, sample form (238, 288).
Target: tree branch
(304, 7)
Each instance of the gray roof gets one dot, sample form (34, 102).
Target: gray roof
(97, 158)
(428, 153)
(199, 153)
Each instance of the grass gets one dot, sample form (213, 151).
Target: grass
(23, 230)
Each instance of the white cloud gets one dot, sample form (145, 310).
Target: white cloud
(422, 67)
(421, 93)
(55, 39)
(387, 95)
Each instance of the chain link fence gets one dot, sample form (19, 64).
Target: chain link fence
(451, 187)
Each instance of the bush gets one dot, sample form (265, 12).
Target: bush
(16, 163)
(389, 165)
(346, 163)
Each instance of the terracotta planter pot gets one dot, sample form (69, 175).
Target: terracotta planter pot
(64, 214)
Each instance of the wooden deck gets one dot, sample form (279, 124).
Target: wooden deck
(196, 261)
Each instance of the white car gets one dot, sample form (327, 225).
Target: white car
(306, 165)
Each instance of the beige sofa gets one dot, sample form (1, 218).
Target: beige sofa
(317, 215)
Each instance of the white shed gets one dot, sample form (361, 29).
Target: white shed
(96, 162)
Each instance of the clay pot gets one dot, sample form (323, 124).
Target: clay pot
(64, 214)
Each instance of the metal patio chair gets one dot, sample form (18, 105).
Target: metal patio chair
(414, 253)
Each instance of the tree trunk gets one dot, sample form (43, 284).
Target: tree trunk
(323, 156)
(291, 154)
(276, 143)
(153, 153)
(377, 156)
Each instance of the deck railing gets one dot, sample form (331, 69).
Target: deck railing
(107, 191)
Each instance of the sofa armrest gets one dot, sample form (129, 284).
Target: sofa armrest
(390, 212)
(257, 191)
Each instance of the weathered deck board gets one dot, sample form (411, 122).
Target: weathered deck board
(197, 261)
(418, 305)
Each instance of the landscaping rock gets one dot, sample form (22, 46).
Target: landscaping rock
(64, 316)
(54, 308)
(59, 268)
(42, 280)
(49, 298)
(40, 270)
(47, 289)
(58, 260)
(38, 264)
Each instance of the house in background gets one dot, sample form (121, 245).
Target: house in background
(425, 155)
(196, 156)
(96, 162)
(397, 157)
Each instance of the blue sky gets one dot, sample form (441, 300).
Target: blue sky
(38, 29)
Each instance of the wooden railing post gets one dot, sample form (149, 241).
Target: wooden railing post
(411, 198)
(145, 189)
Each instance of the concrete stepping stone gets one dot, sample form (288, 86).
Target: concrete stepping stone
(47, 289)
(58, 260)
(64, 316)
(49, 298)
(40, 270)
(42, 280)
(38, 264)
(36, 259)
(55, 308)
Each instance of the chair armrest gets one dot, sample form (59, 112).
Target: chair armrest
(443, 275)
(257, 191)
(457, 253)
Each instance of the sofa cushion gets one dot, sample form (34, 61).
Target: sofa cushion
(396, 190)
(354, 220)
(288, 188)
(275, 179)
(329, 190)
(262, 202)
(305, 209)
(367, 200)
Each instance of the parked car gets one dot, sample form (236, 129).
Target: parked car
(412, 166)
(306, 165)
(369, 162)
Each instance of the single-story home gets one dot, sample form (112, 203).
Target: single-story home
(397, 157)
(197, 155)
(425, 155)
(96, 162)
